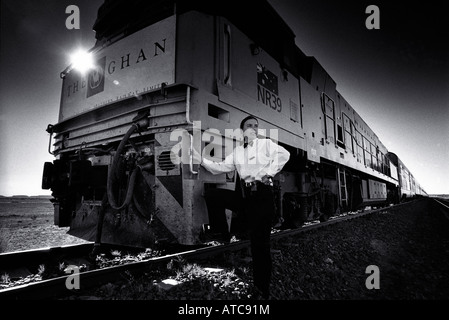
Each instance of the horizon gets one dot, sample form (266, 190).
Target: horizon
(27, 196)
(50, 196)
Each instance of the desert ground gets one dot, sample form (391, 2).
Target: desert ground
(27, 223)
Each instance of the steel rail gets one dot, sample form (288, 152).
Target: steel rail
(56, 287)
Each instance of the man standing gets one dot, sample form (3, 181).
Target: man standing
(256, 162)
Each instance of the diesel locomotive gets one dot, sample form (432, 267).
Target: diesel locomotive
(166, 70)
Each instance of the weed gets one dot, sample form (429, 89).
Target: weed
(193, 270)
(41, 269)
(62, 267)
(6, 278)
(176, 263)
(116, 253)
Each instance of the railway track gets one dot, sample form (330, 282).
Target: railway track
(441, 205)
(80, 269)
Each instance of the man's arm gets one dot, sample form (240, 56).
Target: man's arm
(219, 167)
(214, 167)
(279, 157)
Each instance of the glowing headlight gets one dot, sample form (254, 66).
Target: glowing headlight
(82, 61)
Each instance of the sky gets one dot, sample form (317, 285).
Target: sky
(396, 77)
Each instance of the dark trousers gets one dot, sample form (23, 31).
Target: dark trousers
(259, 207)
(217, 200)
(258, 210)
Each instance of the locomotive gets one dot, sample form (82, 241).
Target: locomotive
(165, 70)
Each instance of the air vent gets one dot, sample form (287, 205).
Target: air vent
(294, 111)
(164, 161)
(165, 165)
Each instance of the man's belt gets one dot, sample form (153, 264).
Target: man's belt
(254, 183)
(253, 186)
(250, 184)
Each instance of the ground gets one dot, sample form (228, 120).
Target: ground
(28, 224)
(398, 254)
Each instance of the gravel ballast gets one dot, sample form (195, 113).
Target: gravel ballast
(400, 253)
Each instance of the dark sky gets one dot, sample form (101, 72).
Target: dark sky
(411, 41)
(397, 77)
(34, 48)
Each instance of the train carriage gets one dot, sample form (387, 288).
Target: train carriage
(167, 70)
(408, 186)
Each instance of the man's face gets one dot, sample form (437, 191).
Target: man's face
(250, 128)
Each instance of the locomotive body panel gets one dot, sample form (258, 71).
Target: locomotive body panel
(136, 64)
(337, 133)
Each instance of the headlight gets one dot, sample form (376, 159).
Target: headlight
(82, 61)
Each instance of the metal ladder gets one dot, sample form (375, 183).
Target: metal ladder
(342, 183)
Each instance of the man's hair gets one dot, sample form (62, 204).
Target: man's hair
(246, 119)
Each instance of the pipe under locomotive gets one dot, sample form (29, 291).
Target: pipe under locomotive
(192, 67)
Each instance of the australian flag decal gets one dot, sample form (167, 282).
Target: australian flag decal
(267, 79)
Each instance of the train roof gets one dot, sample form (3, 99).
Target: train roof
(256, 18)
(131, 15)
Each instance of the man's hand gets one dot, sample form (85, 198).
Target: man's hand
(267, 180)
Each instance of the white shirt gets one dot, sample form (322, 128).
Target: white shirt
(261, 157)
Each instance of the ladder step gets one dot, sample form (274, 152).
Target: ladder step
(343, 190)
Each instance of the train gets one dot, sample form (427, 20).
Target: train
(409, 187)
(166, 70)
